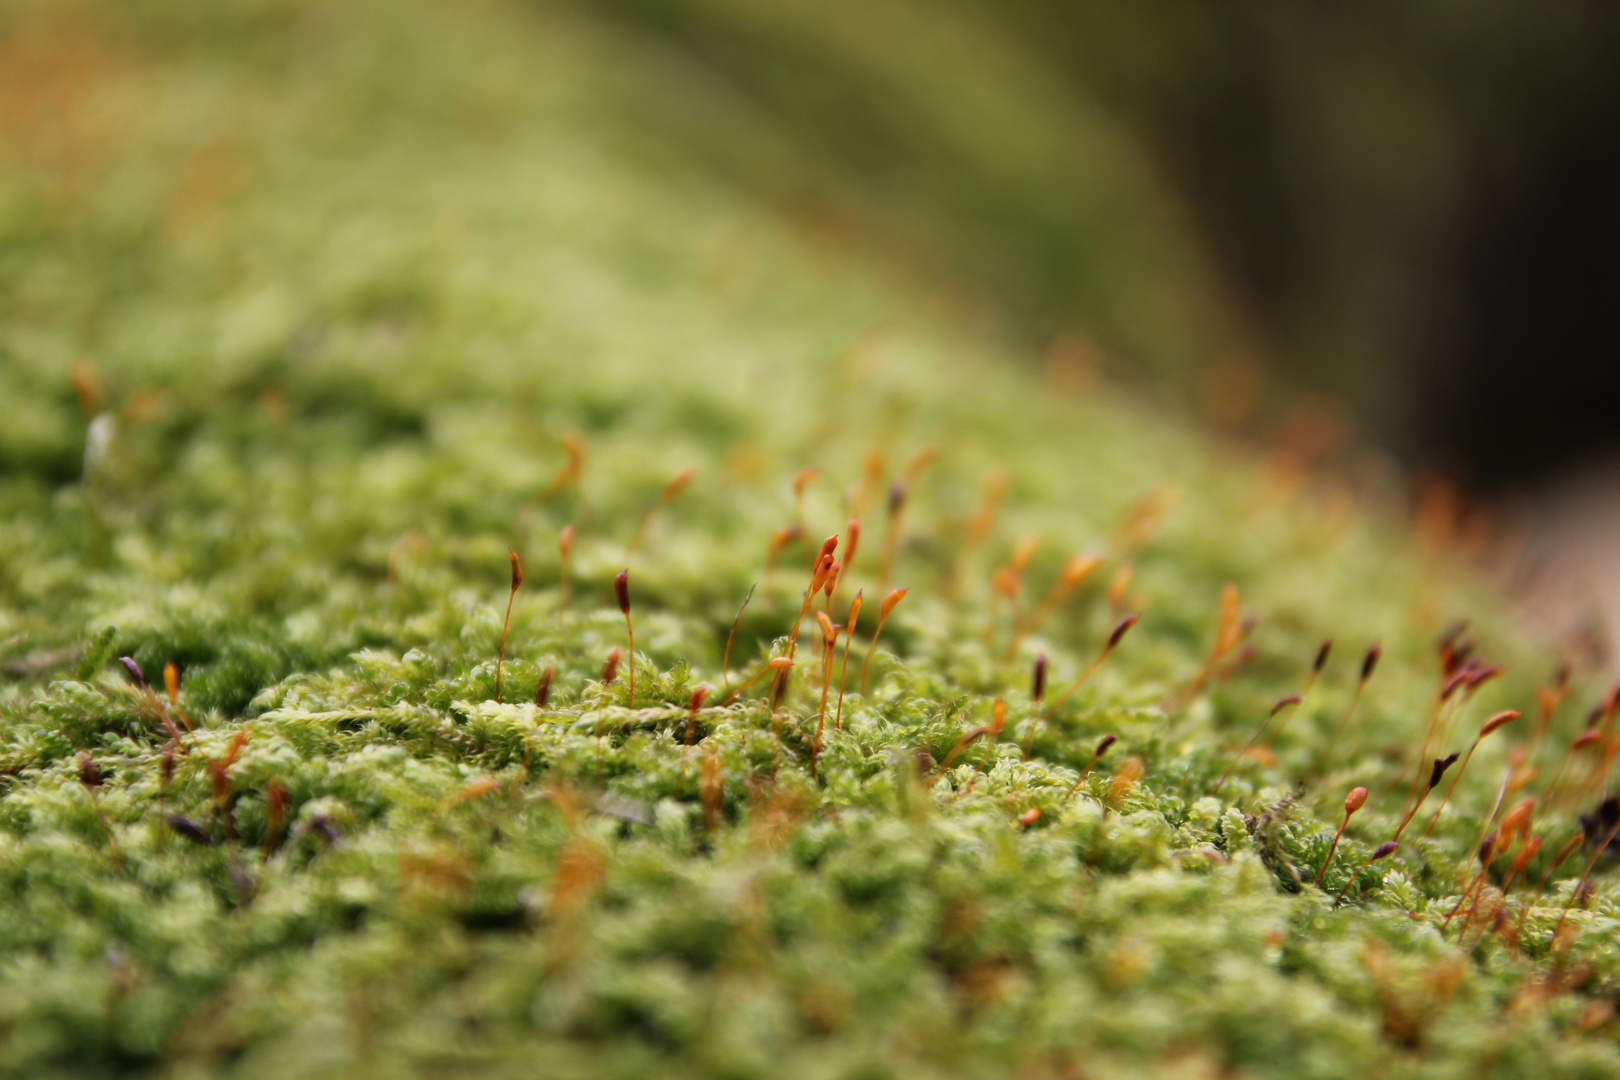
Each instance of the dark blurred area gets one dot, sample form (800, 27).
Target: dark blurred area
(1527, 380)
(1409, 207)
(1421, 199)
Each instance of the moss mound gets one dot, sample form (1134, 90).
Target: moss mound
(314, 314)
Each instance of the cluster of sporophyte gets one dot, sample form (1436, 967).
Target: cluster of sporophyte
(501, 829)
(431, 652)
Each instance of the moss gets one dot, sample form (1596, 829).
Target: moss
(342, 326)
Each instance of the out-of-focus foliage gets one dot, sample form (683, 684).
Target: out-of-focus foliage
(1201, 186)
(939, 131)
(306, 309)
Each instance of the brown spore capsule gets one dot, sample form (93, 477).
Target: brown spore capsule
(693, 705)
(1121, 630)
(1517, 820)
(678, 482)
(1440, 767)
(500, 658)
(1452, 684)
(542, 690)
(1369, 663)
(134, 670)
(1283, 703)
(1352, 802)
(188, 829)
(621, 590)
(897, 498)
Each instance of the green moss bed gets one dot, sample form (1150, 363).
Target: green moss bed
(313, 313)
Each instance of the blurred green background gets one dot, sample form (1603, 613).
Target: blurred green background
(1403, 215)
(1412, 209)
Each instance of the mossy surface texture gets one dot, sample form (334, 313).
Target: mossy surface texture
(311, 314)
